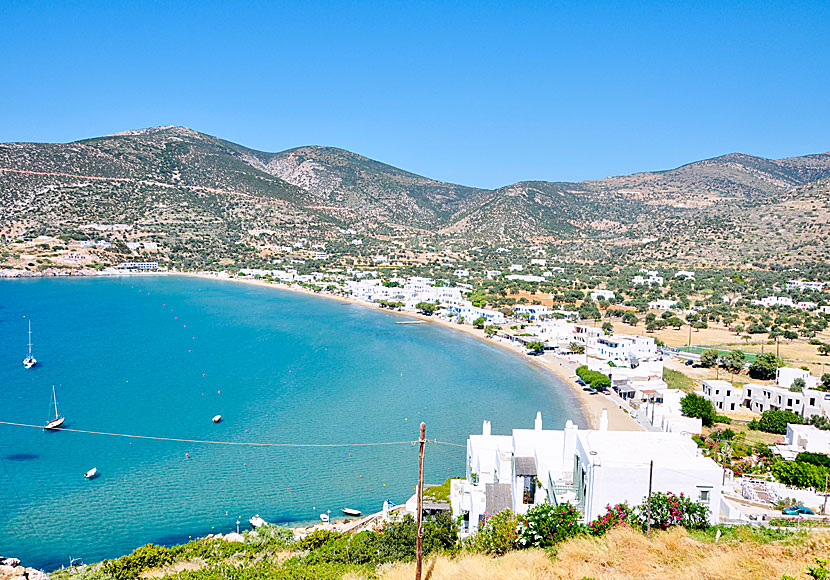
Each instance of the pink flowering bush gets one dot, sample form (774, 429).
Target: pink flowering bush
(669, 510)
(618, 515)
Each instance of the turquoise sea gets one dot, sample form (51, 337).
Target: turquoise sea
(160, 356)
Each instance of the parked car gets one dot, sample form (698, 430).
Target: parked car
(797, 510)
(689, 362)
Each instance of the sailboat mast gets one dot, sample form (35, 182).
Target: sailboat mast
(55, 398)
(30, 338)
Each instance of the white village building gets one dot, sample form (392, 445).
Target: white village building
(590, 469)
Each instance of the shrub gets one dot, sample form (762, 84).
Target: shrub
(799, 474)
(709, 358)
(669, 510)
(821, 459)
(696, 406)
(496, 536)
(764, 366)
(545, 525)
(618, 515)
(596, 379)
(317, 539)
(775, 421)
(143, 558)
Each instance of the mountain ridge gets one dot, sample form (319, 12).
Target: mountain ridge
(215, 191)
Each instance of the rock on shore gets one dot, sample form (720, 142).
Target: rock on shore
(10, 569)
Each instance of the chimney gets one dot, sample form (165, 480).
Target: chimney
(603, 420)
(485, 429)
(538, 423)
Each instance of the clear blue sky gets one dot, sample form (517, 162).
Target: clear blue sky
(476, 93)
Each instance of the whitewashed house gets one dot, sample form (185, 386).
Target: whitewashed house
(805, 285)
(602, 295)
(662, 304)
(587, 468)
(533, 311)
(725, 397)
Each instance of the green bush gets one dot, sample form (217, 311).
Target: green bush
(764, 367)
(799, 474)
(317, 539)
(545, 525)
(696, 406)
(775, 421)
(596, 379)
(496, 536)
(144, 558)
(820, 459)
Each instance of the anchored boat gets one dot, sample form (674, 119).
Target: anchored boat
(30, 360)
(91, 473)
(351, 512)
(58, 420)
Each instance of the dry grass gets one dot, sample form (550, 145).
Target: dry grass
(627, 555)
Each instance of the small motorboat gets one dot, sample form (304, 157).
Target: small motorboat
(257, 521)
(351, 512)
(324, 517)
(217, 418)
(91, 474)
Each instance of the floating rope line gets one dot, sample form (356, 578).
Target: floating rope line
(207, 441)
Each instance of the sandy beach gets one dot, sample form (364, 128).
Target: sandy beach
(592, 405)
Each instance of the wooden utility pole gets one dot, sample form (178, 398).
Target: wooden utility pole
(419, 554)
(648, 507)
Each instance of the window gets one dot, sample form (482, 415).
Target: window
(733, 407)
(728, 393)
(703, 495)
(812, 401)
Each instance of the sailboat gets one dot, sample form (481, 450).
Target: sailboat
(58, 420)
(30, 361)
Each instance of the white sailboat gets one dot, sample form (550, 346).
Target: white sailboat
(91, 473)
(30, 361)
(58, 420)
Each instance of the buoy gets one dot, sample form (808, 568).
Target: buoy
(219, 392)
(185, 326)
(405, 419)
(189, 350)
(204, 375)
(187, 455)
(361, 476)
(350, 454)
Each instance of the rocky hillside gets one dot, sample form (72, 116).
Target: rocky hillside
(199, 194)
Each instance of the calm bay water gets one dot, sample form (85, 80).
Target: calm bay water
(160, 356)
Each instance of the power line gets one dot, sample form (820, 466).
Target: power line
(207, 441)
(464, 463)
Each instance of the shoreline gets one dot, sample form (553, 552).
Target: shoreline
(591, 405)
